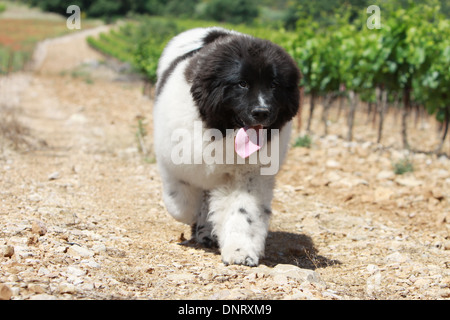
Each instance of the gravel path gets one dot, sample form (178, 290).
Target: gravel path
(82, 216)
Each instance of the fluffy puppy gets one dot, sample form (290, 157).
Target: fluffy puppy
(223, 100)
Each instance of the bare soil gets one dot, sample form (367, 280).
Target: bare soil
(82, 215)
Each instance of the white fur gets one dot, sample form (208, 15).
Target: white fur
(232, 187)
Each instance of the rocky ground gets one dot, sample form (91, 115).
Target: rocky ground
(82, 215)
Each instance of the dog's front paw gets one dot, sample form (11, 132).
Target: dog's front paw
(240, 256)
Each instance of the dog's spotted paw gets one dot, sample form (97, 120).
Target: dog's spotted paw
(240, 257)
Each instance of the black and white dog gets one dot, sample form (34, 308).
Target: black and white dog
(223, 101)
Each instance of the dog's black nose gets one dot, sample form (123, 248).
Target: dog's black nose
(260, 113)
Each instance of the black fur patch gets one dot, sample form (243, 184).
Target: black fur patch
(169, 71)
(214, 35)
(243, 211)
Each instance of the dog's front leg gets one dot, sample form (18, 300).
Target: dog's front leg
(182, 200)
(240, 217)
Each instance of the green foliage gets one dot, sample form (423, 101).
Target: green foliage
(432, 88)
(140, 43)
(111, 46)
(2, 7)
(403, 166)
(410, 53)
(328, 12)
(303, 141)
(232, 11)
(11, 61)
(106, 8)
(151, 37)
(110, 9)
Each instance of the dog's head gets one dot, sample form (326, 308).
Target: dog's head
(239, 81)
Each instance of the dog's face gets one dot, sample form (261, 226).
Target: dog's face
(239, 81)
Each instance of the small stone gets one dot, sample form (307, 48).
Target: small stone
(78, 251)
(181, 277)
(422, 283)
(34, 197)
(39, 228)
(43, 296)
(382, 194)
(437, 194)
(74, 271)
(332, 164)
(87, 286)
(397, 257)
(8, 251)
(5, 292)
(35, 288)
(207, 275)
(444, 293)
(348, 182)
(446, 245)
(296, 273)
(91, 263)
(99, 248)
(43, 271)
(385, 175)
(66, 288)
(408, 181)
(54, 176)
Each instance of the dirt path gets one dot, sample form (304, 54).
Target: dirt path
(82, 215)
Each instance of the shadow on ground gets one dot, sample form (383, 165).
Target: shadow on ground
(284, 248)
(296, 249)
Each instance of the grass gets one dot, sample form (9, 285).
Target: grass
(303, 142)
(403, 166)
(82, 74)
(141, 134)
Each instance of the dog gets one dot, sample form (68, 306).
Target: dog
(222, 100)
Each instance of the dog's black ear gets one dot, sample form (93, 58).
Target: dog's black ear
(293, 100)
(206, 87)
(288, 96)
(291, 77)
(207, 93)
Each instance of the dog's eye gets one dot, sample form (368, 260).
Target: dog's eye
(243, 84)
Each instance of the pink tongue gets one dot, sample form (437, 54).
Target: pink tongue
(248, 141)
